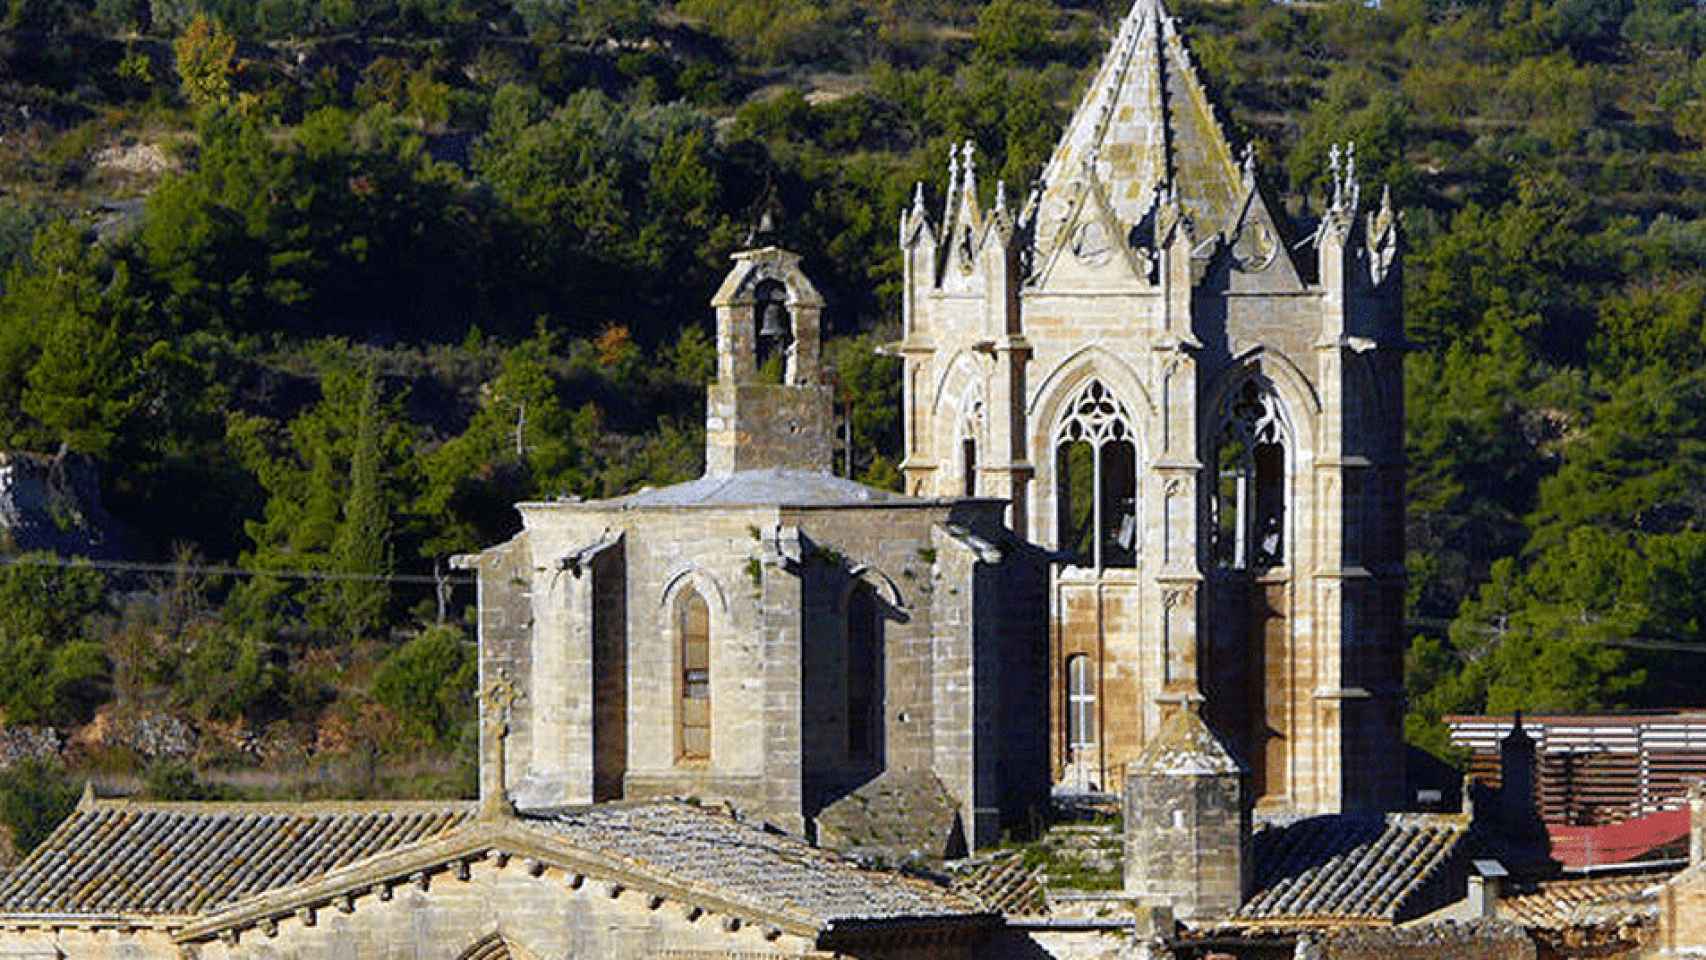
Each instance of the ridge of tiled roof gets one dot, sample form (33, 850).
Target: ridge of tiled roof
(199, 868)
(164, 860)
(701, 849)
(1351, 867)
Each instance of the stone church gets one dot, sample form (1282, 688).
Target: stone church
(817, 653)
(1199, 412)
(1151, 542)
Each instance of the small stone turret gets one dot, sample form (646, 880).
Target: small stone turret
(1187, 825)
(769, 321)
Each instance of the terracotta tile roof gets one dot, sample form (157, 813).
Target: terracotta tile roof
(1004, 884)
(1567, 904)
(1616, 843)
(115, 858)
(702, 849)
(1367, 868)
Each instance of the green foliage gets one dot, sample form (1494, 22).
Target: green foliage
(335, 478)
(771, 31)
(35, 797)
(428, 683)
(206, 55)
(1011, 31)
(231, 675)
(65, 323)
(50, 669)
(519, 446)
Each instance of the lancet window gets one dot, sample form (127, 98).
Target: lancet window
(1096, 498)
(864, 673)
(1251, 501)
(693, 618)
(1080, 706)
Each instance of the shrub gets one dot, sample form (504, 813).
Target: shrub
(34, 797)
(428, 683)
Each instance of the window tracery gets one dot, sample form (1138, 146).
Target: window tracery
(1096, 493)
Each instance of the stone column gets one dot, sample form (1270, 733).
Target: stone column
(780, 613)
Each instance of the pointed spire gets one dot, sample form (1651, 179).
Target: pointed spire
(914, 222)
(1145, 120)
(87, 800)
(970, 166)
(1353, 188)
(1249, 165)
(1001, 197)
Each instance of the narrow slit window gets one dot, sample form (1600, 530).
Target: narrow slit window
(695, 632)
(864, 674)
(1080, 705)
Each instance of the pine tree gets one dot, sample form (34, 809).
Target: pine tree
(362, 547)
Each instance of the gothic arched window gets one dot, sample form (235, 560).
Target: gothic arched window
(1096, 504)
(693, 627)
(1252, 465)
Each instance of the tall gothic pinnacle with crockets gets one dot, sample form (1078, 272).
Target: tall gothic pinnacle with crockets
(1197, 406)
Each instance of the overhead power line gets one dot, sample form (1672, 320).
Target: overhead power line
(133, 566)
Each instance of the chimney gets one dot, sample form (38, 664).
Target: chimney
(1697, 823)
(1516, 776)
(1486, 885)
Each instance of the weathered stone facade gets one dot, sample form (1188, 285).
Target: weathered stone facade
(1206, 433)
(1187, 823)
(848, 634)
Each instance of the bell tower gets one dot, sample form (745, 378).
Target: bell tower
(768, 409)
(1196, 406)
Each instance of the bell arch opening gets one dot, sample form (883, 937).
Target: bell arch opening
(1251, 542)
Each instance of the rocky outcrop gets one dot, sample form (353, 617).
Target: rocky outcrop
(53, 504)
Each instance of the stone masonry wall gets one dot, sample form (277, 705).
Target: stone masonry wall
(1479, 940)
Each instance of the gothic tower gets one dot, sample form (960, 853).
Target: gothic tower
(1205, 432)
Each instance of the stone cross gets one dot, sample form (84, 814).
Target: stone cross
(496, 702)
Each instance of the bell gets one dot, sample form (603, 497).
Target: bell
(775, 323)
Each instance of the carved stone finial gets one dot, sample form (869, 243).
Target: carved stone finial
(1001, 196)
(1249, 165)
(1333, 164)
(918, 198)
(970, 165)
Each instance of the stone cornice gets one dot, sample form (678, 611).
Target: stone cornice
(504, 839)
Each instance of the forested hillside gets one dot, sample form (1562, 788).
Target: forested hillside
(322, 287)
